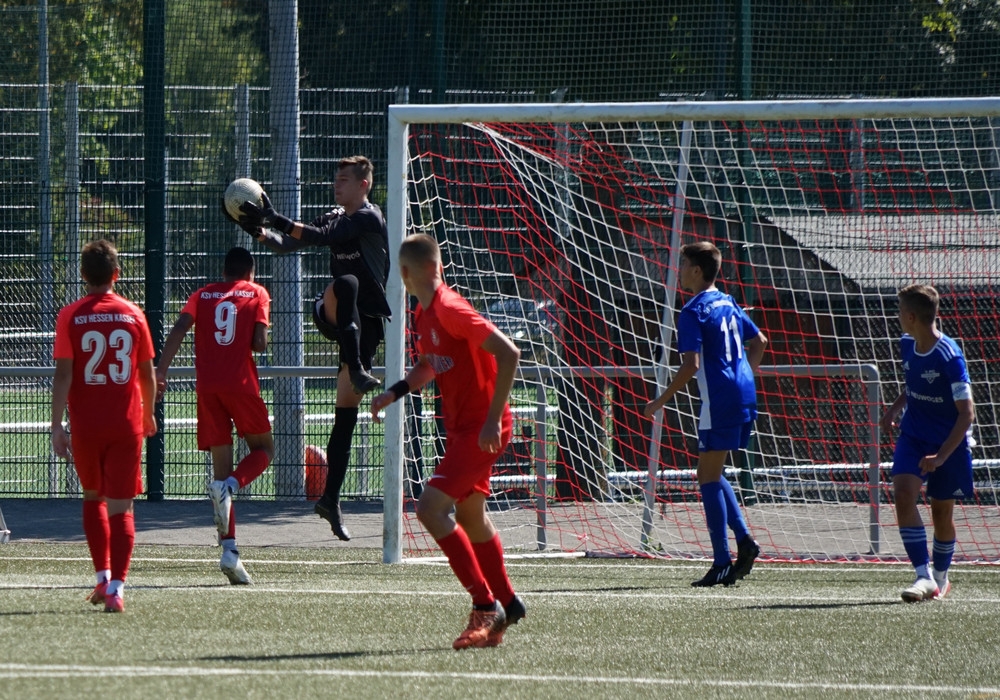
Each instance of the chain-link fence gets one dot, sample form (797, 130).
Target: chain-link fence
(91, 91)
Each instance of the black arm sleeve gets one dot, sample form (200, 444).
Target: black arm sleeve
(279, 242)
(338, 229)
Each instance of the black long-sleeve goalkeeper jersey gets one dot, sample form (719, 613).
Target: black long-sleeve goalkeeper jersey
(359, 246)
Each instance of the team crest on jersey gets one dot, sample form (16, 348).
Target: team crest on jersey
(434, 337)
(930, 376)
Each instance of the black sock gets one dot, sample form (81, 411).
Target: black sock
(338, 450)
(348, 321)
(346, 290)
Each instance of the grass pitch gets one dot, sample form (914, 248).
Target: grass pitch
(338, 624)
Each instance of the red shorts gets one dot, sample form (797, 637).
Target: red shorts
(465, 469)
(219, 411)
(111, 466)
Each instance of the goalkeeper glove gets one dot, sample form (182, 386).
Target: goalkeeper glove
(266, 215)
(243, 222)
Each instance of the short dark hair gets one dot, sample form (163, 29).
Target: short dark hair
(98, 262)
(706, 256)
(238, 264)
(921, 299)
(360, 166)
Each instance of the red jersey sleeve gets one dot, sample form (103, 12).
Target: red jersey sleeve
(63, 345)
(461, 320)
(145, 351)
(191, 307)
(264, 306)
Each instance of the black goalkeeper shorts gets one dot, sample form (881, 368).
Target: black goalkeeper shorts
(372, 331)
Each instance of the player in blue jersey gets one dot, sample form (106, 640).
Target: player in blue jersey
(711, 333)
(932, 446)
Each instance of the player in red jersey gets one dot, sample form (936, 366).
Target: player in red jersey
(473, 364)
(230, 320)
(104, 374)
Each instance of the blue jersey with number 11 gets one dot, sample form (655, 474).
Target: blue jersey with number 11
(714, 326)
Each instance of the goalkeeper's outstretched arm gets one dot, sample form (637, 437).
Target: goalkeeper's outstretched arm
(273, 230)
(278, 242)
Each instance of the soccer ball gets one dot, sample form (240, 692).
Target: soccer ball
(239, 191)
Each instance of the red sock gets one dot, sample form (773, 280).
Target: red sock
(231, 533)
(489, 554)
(122, 543)
(97, 532)
(458, 549)
(250, 467)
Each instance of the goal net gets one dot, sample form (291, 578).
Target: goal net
(562, 224)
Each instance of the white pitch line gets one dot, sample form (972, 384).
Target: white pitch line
(20, 671)
(514, 562)
(751, 596)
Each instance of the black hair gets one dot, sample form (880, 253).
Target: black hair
(238, 264)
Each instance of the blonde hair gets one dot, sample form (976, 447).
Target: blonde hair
(419, 249)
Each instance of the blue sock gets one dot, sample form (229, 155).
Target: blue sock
(915, 543)
(943, 552)
(733, 513)
(714, 502)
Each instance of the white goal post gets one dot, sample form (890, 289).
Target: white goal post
(823, 209)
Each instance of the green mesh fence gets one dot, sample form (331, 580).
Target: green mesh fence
(106, 106)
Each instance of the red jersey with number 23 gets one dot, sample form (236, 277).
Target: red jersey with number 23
(449, 335)
(107, 337)
(225, 314)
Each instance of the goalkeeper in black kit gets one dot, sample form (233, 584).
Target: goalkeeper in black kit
(352, 309)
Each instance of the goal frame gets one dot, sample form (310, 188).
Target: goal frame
(400, 117)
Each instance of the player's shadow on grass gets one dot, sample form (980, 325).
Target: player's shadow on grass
(823, 606)
(327, 656)
(600, 589)
(60, 613)
(182, 587)
(30, 613)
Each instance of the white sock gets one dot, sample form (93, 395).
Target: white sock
(115, 588)
(228, 545)
(940, 577)
(103, 575)
(233, 484)
(923, 571)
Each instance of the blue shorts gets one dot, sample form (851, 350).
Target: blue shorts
(735, 437)
(953, 479)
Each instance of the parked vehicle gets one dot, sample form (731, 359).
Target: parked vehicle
(531, 325)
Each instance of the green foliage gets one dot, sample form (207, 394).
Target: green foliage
(596, 49)
(100, 42)
(210, 44)
(623, 49)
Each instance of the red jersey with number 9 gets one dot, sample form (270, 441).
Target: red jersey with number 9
(107, 337)
(225, 314)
